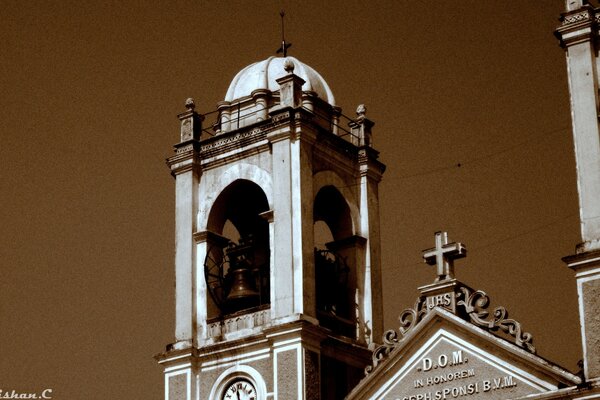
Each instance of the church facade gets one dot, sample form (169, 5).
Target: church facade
(265, 310)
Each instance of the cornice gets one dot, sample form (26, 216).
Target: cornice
(208, 236)
(186, 158)
(577, 26)
(369, 165)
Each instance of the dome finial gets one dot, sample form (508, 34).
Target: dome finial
(284, 45)
(288, 65)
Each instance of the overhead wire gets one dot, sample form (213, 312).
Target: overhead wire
(503, 240)
(458, 165)
(481, 158)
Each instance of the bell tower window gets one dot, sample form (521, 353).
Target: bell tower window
(236, 266)
(335, 269)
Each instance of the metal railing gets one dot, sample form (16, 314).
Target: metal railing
(339, 124)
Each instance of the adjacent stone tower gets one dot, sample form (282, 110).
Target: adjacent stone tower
(579, 37)
(262, 310)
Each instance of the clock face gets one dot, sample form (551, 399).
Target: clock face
(240, 389)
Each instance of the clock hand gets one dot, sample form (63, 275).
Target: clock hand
(238, 395)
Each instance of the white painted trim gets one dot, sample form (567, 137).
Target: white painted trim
(234, 362)
(580, 282)
(443, 335)
(286, 342)
(241, 346)
(592, 396)
(585, 272)
(275, 385)
(298, 264)
(282, 320)
(299, 367)
(177, 367)
(242, 357)
(287, 347)
(175, 358)
(576, 33)
(300, 371)
(169, 375)
(197, 387)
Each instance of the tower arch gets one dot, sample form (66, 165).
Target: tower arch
(211, 186)
(347, 189)
(336, 264)
(237, 264)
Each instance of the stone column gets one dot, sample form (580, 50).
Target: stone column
(292, 256)
(282, 271)
(371, 171)
(578, 35)
(185, 168)
(224, 123)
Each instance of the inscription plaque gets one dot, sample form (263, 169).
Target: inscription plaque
(450, 368)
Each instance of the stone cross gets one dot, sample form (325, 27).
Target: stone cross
(443, 256)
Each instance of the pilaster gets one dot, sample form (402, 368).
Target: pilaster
(369, 265)
(292, 258)
(587, 274)
(180, 374)
(185, 168)
(578, 34)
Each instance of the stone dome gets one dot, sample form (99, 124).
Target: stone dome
(263, 75)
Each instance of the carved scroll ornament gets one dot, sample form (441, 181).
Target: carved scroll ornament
(473, 306)
(476, 304)
(409, 318)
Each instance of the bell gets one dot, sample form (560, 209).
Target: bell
(242, 293)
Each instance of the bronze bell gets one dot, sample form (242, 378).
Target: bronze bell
(242, 293)
(242, 288)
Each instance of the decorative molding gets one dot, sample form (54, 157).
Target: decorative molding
(577, 17)
(208, 236)
(280, 117)
(235, 138)
(245, 321)
(390, 340)
(409, 318)
(240, 137)
(476, 304)
(471, 306)
(184, 149)
(578, 26)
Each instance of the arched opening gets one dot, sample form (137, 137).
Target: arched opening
(335, 262)
(237, 260)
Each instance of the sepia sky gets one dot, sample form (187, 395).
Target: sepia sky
(89, 97)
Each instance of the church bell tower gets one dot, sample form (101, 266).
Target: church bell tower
(277, 247)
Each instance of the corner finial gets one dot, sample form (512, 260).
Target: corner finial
(288, 65)
(190, 104)
(361, 110)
